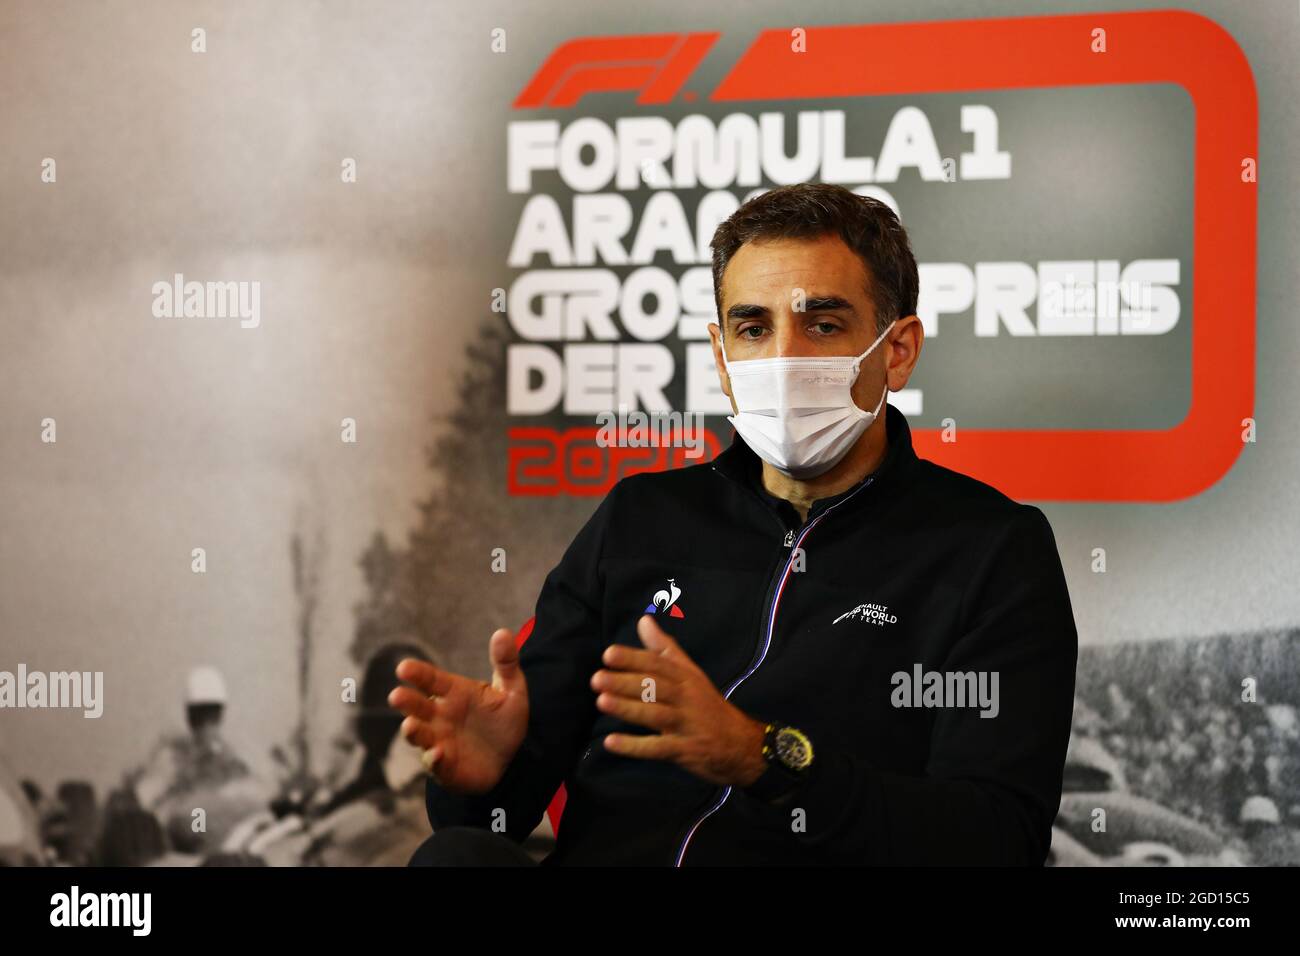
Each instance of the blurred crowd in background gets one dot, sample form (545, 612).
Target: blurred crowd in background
(1191, 748)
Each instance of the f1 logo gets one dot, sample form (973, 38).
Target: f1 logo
(655, 65)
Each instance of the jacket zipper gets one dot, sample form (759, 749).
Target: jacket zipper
(775, 587)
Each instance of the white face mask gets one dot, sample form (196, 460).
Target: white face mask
(797, 413)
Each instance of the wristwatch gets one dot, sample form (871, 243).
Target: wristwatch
(789, 756)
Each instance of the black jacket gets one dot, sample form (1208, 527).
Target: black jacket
(916, 566)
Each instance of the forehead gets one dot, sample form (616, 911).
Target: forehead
(772, 267)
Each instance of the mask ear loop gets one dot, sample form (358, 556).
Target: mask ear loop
(880, 404)
(857, 361)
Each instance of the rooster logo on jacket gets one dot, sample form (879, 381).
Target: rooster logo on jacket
(665, 600)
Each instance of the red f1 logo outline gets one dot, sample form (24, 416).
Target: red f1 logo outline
(655, 65)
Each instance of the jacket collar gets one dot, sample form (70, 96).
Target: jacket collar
(739, 463)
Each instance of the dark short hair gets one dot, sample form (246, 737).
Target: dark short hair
(812, 210)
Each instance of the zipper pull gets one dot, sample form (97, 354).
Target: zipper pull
(789, 538)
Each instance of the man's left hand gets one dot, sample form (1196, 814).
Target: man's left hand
(661, 688)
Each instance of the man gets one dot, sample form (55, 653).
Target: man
(180, 762)
(816, 649)
(188, 771)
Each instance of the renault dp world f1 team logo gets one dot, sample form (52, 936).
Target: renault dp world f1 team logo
(877, 614)
(608, 193)
(665, 601)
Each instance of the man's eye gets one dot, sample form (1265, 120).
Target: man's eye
(827, 327)
(752, 328)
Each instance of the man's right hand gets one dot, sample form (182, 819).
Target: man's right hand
(471, 730)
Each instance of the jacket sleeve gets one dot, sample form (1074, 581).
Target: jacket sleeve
(558, 659)
(992, 785)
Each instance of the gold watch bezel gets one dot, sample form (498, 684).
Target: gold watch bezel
(787, 749)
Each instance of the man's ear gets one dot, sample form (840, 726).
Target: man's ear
(715, 336)
(907, 338)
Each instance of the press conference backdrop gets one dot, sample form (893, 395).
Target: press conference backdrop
(311, 313)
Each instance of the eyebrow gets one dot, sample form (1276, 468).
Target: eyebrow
(821, 303)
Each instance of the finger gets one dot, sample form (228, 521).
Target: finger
(634, 686)
(652, 635)
(655, 638)
(656, 716)
(643, 746)
(412, 703)
(432, 759)
(425, 734)
(430, 679)
(624, 658)
(504, 655)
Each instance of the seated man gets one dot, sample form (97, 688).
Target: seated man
(815, 649)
